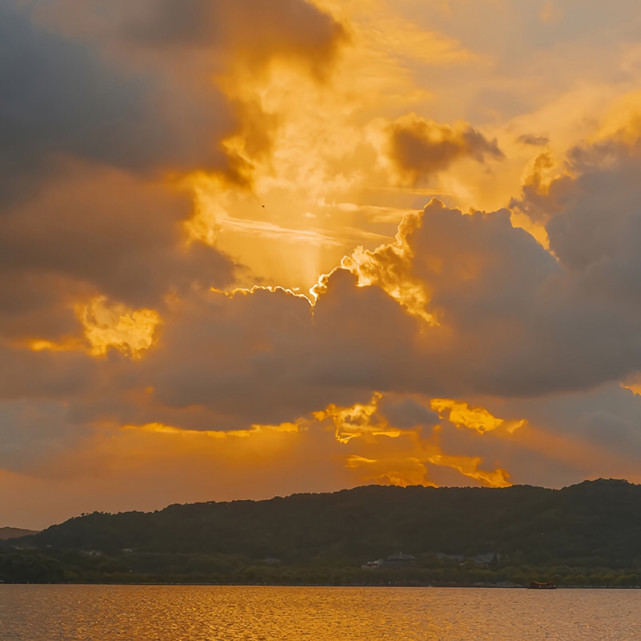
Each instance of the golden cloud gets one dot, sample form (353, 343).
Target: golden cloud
(389, 267)
(114, 325)
(469, 466)
(461, 414)
(359, 420)
(406, 460)
(389, 471)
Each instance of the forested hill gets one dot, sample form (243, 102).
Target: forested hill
(592, 520)
(587, 534)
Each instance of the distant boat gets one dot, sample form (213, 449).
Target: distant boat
(537, 585)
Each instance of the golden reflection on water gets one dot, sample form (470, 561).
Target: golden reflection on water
(218, 613)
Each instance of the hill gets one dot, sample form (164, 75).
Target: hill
(446, 536)
(7, 533)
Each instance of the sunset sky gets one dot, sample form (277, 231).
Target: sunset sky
(257, 247)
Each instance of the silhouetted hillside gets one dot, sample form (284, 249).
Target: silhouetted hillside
(7, 533)
(591, 525)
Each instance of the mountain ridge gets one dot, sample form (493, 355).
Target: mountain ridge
(592, 528)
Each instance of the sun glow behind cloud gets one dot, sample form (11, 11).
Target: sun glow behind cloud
(417, 450)
(474, 418)
(107, 325)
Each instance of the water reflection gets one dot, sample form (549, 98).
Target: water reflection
(214, 613)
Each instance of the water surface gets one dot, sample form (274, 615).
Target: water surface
(217, 613)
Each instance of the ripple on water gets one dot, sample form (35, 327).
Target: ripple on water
(218, 613)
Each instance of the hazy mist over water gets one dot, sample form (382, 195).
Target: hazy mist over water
(220, 613)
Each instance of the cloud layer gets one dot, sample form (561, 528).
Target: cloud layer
(175, 175)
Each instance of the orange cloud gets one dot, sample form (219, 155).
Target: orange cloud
(107, 325)
(389, 471)
(255, 430)
(389, 267)
(406, 461)
(469, 467)
(71, 343)
(474, 418)
(359, 420)
(633, 383)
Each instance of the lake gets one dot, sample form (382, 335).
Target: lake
(220, 613)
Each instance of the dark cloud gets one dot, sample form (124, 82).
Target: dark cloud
(251, 29)
(419, 148)
(593, 223)
(26, 374)
(61, 98)
(513, 322)
(38, 434)
(100, 102)
(268, 354)
(540, 199)
(74, 85)
(531, 139)
(606, 416)
(599, 224)
(97, 232)
(37, 305)
(521, 324)
(406, 413)
(98, 107)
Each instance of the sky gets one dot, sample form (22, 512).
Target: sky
(254, 248)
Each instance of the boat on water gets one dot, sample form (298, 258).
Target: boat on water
(538, 585)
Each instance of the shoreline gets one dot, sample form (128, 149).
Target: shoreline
(326, 585)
